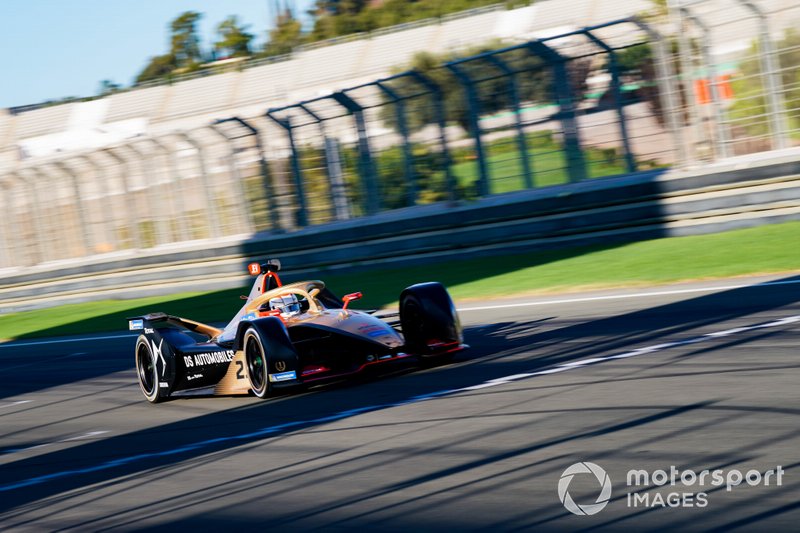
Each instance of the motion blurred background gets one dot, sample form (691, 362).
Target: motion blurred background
(400, 116)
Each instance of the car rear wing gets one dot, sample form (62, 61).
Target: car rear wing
(139, 323)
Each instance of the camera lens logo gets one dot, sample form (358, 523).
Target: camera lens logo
(602, 479)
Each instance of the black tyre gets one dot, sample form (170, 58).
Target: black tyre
(429, 320)
(147, 372)
(256, 358)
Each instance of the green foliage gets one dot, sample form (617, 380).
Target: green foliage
(332, 18)
(185, 43)
(637, 65)
(234, 39)
(158, 67)
(534, 84)
(287, 34)
(749, 108)
(108, 87)
(335, 18)
(428, 176)
(184, 51)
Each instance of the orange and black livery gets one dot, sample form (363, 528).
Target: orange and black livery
(289, 335)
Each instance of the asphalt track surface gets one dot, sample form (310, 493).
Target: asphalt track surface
(689, 376)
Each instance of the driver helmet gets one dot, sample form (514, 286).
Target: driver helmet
(287, 304)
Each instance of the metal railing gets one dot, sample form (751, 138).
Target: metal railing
(604, 100)
(739, 63)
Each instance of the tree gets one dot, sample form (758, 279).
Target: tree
(108, 87)
(184, 49)
(341, 7)
(287, 34)
(234, 39)
(185, 42)
(158, 67)
(534, 83)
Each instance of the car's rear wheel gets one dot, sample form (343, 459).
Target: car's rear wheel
(256, 359)
(147, 372)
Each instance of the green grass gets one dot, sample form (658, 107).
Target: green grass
(547, 164)
(765, 249)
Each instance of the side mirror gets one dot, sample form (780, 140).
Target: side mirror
(347, 298)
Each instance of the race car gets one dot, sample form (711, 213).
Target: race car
(287, 336)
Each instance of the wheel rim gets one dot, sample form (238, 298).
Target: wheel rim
(146, 367)
(255, 363)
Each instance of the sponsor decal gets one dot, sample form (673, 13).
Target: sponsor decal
(280, 366)
(378, 333)
(148, 330)
(157, 354)
(163, 385)
(135, 325)
(249, 316)
(283, 376)
(194, 376)
(208, 358)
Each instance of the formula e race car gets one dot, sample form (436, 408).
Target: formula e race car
(290, 335)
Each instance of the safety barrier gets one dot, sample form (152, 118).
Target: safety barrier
(632, 207)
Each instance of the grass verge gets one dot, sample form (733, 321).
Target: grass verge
(766, 249)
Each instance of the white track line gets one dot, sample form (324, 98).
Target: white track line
(39, 363)
(60, 341)
(631, 295)
(12, 404)
(269, 431)
(479, 308)
(632, 353)
(88, 435)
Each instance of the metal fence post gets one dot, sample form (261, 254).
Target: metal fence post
(474, 110)
(569, 123)
(155, 197)
(135, 235)
(236, 176)
(771, 67)
(176, 181)
(402, 126)
(513, 91)
(108, 217)
(721, 142)
(686, 74)
(35, 212)
(266, 179)
(616, 89)
(369, 177)
(340, 209)
(666, 88)
(286, 123)
(13, 236)
(213, 217)
(441, 119)
(86, 238)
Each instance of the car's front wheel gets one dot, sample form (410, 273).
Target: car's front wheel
(256, 359)
(429, 321)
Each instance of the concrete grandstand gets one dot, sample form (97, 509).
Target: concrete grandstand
(30, 136)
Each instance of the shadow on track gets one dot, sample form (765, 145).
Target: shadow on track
(497, 352)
